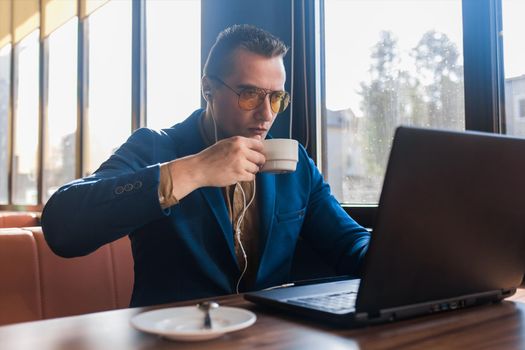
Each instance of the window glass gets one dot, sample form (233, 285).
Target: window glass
(108, 121)
(61, 114)
(173, 70)
(5, 79)
(513, 12)
(387, 63)
(26, 120)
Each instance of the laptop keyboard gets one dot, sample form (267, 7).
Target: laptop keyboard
(338, 303)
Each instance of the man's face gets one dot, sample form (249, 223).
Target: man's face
(248, 70)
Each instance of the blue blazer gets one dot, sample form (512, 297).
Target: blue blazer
(187, 251)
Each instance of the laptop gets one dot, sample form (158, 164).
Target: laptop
(450, 233)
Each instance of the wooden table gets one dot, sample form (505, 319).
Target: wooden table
(500, 326)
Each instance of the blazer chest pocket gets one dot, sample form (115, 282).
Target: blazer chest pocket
(291, 216)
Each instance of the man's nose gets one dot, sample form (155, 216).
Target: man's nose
(264, 112)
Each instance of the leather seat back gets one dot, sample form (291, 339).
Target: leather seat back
(18, 219)
(46, 285)
(19, 277)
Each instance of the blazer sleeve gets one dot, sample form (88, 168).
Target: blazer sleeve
(119, 197)
(334, 234)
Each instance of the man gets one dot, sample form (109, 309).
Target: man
(182, 194)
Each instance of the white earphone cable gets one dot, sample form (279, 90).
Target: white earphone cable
(238, 231)
(213, 119)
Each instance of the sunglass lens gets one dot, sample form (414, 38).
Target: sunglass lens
(280, 101)
(249, 100)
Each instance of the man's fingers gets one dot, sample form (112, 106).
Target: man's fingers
(235, 159)
(252, 168)
(256, 157)
(254, 144)
(247, 177)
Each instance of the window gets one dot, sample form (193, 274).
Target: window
(61, 114)
(5, 79)
(173, 69)
(382, 71)
(108, 121)
(43, 126)
(26, 120)
(513, 12)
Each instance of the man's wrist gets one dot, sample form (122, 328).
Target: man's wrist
(195, 177)
(178, 178)
(166, 195)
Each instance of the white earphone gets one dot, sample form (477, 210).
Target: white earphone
(207, 95)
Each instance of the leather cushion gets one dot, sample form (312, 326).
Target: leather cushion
(19, 278)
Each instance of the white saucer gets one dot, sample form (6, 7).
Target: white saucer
(186, 323)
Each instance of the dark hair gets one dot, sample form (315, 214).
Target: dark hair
(243, 36)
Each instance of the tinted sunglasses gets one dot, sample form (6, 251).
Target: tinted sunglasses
(252, 97)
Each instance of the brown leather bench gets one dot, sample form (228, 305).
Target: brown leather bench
(18, 219)
(37, 284)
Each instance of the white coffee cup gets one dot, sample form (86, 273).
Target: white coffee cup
(281, 155)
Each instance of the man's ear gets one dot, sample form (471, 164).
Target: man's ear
(206, 89)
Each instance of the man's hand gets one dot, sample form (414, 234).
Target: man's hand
(225, 163)
(230, 161)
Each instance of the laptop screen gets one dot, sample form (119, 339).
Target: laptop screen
(450, 218)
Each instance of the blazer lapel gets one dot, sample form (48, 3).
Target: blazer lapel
(266, 190)
(215, 200)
